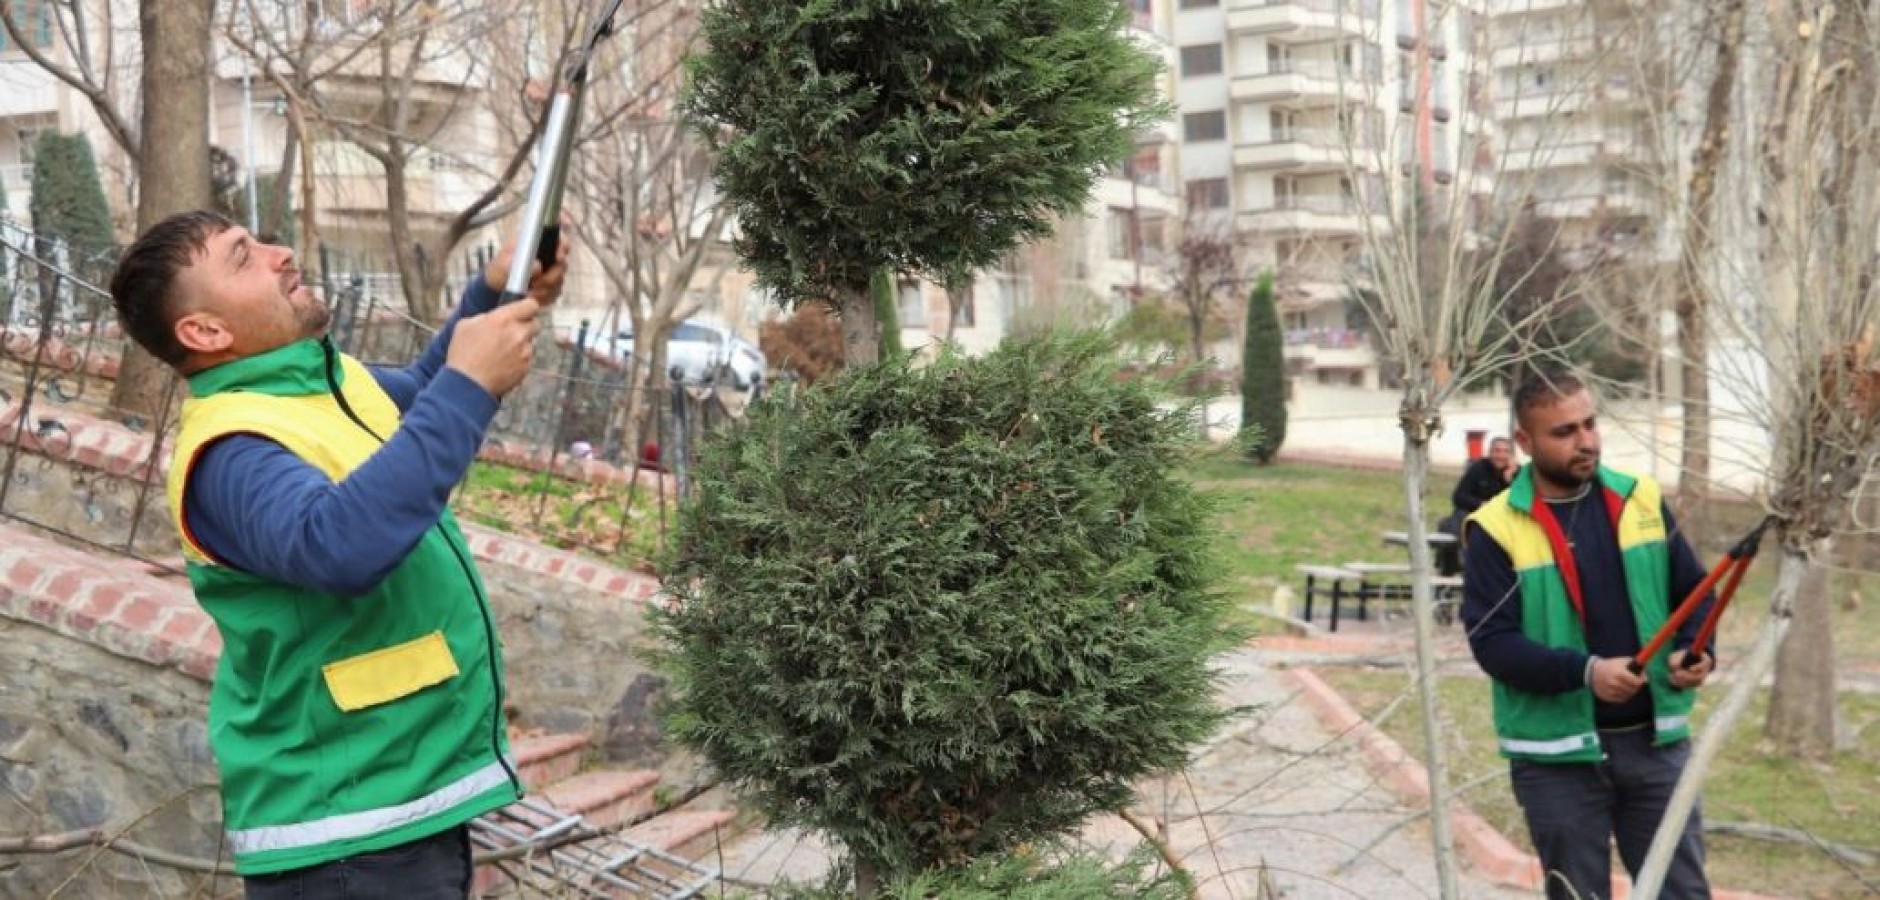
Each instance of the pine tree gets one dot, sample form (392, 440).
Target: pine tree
(68, 198)
(930, 138)
(887, 310)
(1263, 374)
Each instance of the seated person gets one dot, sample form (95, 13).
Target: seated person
(1481, 481)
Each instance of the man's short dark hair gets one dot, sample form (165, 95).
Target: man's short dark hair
(1499, 439)
(144, 286)
(1543, 388)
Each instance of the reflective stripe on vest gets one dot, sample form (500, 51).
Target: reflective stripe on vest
(1671, 723)
(1551, 748)
(368, 822)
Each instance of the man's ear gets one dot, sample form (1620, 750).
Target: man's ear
(1522, 440)
(203, 334)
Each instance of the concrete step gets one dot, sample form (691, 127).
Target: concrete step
(690, 834)
(604, 798)
(546, 759)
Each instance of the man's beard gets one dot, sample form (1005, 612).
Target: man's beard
(1563, 475)
(314, 317)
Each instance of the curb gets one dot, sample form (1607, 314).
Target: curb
(1487, 850)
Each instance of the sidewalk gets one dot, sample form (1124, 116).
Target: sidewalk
(1275, 789)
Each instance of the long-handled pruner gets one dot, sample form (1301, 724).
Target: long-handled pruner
(541, 215)
(1734, 564)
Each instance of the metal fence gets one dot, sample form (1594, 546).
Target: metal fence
(69, 464)
(588, 429)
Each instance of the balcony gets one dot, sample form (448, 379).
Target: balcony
(1526, 7)
(1548, 50)
(1304, 84)
(1298, 150)
(1310, 214)
(1330, 348)
(1302, 21)
(1570, 153)
(1542, 102)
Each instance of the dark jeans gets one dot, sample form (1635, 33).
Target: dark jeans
(1576, 811)
(432, 868)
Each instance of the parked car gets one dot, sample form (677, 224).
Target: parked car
(700, 351)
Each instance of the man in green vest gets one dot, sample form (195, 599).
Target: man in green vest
(1567, 574)
(356, 716)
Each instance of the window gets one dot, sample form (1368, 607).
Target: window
(1122, 229)
(1208, 193)
(1205, 126)
(1201, 59)
(964, 315)
(912, 305)
(34, 18)
(1200, 4)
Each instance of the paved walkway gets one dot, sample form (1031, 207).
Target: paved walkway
(1275, 788)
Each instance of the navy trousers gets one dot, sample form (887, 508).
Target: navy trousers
(432, 868)
(1577, 811)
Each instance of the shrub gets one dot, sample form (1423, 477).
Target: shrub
(935, 612)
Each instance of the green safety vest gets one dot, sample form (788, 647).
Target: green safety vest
(341, 725)
(1560, 727)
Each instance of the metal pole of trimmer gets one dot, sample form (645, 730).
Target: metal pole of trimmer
(1734, 564)
(540, 235)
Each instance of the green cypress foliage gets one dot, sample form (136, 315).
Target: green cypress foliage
(68, 199)
(1022, 876)
(935, 611)
(927, 137)
(887, 310)
(1263, 374)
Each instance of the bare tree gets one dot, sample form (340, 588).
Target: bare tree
(169, 153)
(1809, 304)
(403, 85)
(648, 208)
(1448, 241)
(1207, 265)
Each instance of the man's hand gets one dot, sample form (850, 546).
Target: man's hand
(1612, 680)
(495, 349)
(544, 286)
(1694, 676)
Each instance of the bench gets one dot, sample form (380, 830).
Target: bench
(1329, 582)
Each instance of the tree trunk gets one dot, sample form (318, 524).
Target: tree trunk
(1803, 714)
(1745, 678)
(281, 203)
(1693, 307)
(861, 331)
(173, 167)
(1416, 464)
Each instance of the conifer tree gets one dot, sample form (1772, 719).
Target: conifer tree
(1263, 374)
(930, 138)
(68, 198)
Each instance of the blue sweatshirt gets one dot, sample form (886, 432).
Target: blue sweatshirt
(1491, 608)
(255, 506)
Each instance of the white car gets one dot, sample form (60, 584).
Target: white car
(700, 351)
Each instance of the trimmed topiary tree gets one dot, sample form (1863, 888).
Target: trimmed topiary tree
(1263, 374)
(930, 138)
(934, 612)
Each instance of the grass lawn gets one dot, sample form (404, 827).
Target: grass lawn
(1275, 517)
(1837, 801)
(563, 513)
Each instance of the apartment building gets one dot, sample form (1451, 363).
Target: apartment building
(1092, 267)
(1293, 113)
(1572, 83)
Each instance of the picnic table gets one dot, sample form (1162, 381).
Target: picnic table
(1365, 581)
